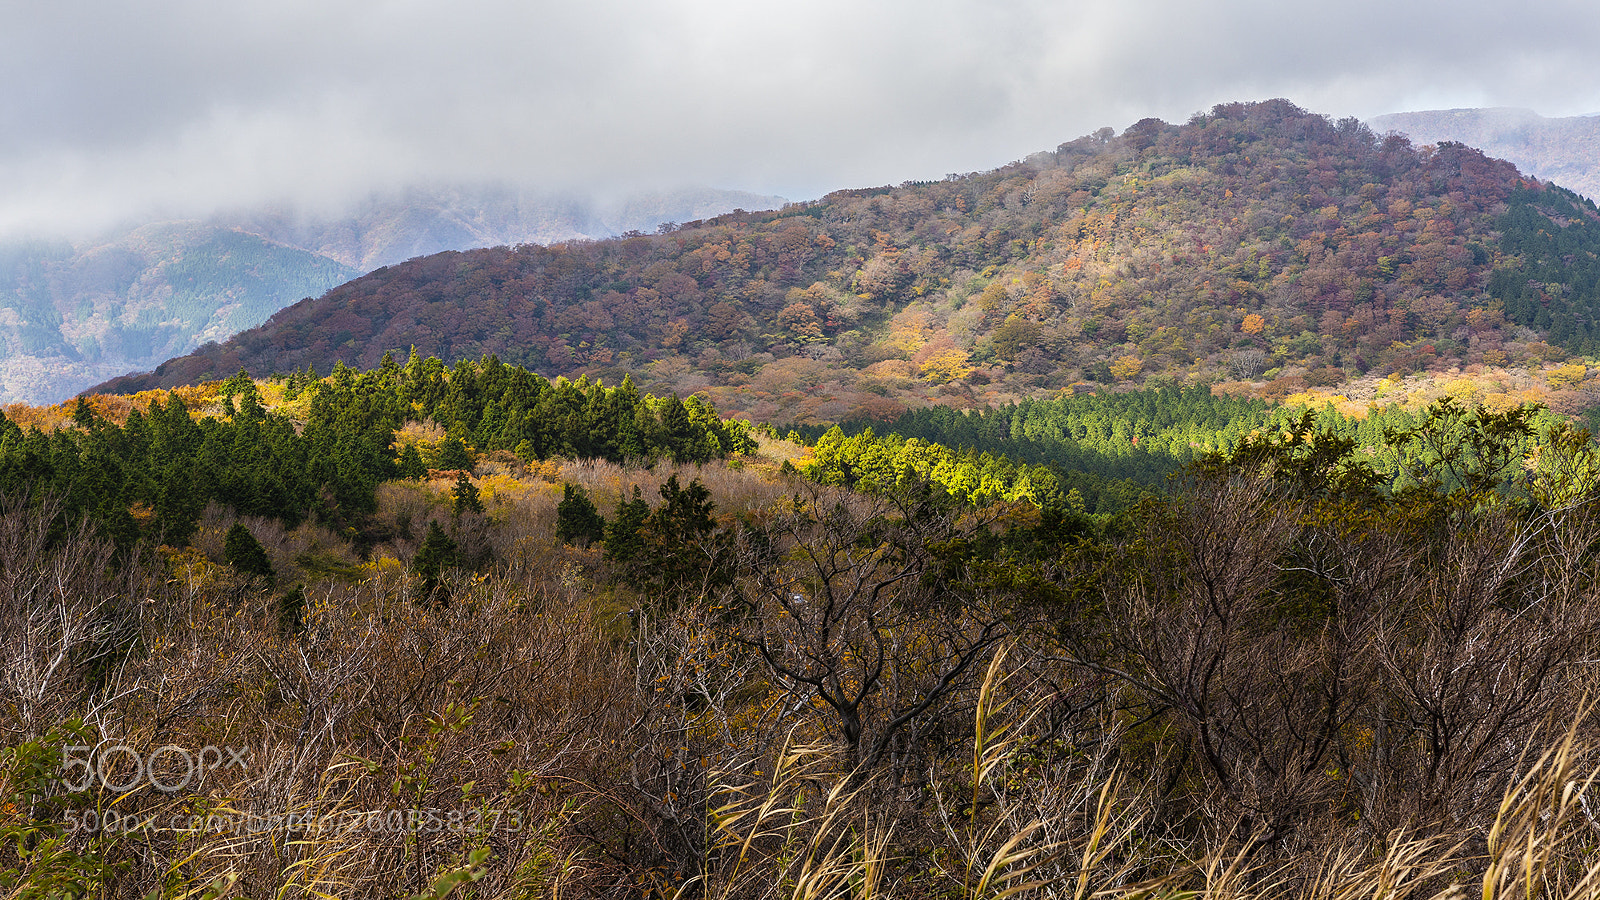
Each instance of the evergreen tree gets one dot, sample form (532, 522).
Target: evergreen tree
(677, 552)
(237, 384)
(684, 442)
(466, 496)
(82, 415)
(577, 519)
(242, 551)
(437, 555)
(411, 465)
(453, 454)
(624, 543)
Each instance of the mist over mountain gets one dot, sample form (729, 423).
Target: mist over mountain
(1257, 241)
(387, 228)
(72, 314)
(75, 312)
(1563, 150)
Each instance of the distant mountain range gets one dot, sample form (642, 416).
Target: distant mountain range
(1259, 242)
(1565, 150)
(76, 312)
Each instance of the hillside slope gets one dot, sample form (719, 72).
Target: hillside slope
(74, 313)
(1256, 241)
(1563, 150)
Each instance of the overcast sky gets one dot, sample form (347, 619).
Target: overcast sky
(114, 109)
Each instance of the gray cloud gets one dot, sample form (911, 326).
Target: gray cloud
(117, 109)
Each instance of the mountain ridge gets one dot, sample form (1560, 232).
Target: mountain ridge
(1561, 149)
(1257, 241)
(74, 312)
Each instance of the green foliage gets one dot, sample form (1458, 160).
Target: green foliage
(577, 519)
(624, 543)
(245, 553)
(39, 859)
(1111, 448)
(263, 464)
(238, 383)
(291, 612)
(453, 455)
(459, 876)
(673, 551)
(410, 464)
(1550, 277)
(465, 495)
(438, 554)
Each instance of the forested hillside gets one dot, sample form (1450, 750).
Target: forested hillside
(73, 313)
(146, 468)
(1258, 240)
(1562, 150)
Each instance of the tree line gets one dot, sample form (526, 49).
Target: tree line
(153, 474)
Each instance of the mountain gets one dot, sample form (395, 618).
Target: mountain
(74, 313)
(1565, 150)
(388, 228)
(1257, 241)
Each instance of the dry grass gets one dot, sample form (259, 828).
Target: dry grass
(648, 749)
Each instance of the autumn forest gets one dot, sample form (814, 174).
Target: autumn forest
(1203, 510)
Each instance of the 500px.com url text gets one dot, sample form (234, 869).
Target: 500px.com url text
(377, 821)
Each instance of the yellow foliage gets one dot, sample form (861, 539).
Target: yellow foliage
(1252, 324)
(946, 366)
(1567, 376)
(193, 570)
(271, 393)
(383, 565)
(908, 330)
(1466, 390)
(195, 396)
(993, 297)
(423, 435)
(501, 488)
(1127, 367)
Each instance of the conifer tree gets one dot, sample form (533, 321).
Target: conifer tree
(242, 551)
(291, 612)
(577, 519)
(411, 465)
(624, 543)
(453, 454)
(678, 552)
(466, 496)
(438, 554)
(82, 415)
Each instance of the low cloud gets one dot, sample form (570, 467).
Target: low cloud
(181, 107)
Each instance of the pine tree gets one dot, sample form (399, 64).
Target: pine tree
(678, 552)
(624, 543)
(453, 454)
(411, 465)
(242, 551)
(438, 554)
(577, 519)
(466, 496)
